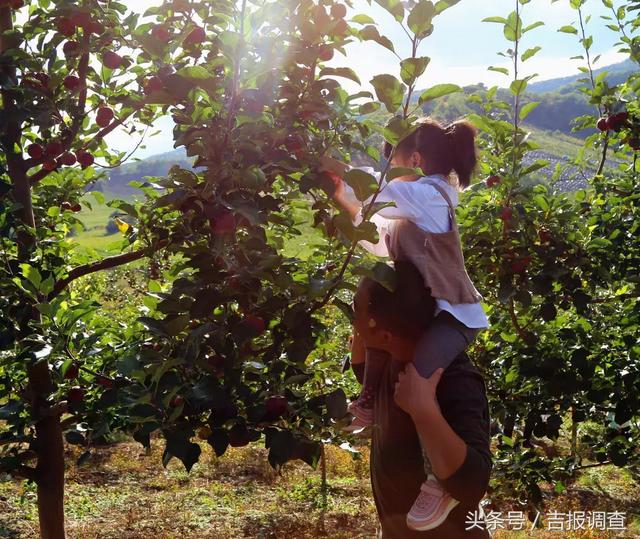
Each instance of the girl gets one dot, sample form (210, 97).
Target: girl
(422, 228)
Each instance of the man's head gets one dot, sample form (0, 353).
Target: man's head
(392, 320)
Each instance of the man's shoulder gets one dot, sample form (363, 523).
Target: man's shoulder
(462, 368)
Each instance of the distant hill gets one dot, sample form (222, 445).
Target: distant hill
(157, 165)
(617, 73)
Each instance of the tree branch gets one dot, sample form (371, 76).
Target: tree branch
(93, 267)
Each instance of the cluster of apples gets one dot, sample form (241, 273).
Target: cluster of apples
(615, 122)
(619, 121)
(53, 155)
(331, 23)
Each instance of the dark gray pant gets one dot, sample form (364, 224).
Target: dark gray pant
(443, 341)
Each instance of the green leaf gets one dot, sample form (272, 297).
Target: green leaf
(502, 70)
(360, 18)
(420, 18)
(530, 52)
(536, 24)
(389, 90)
(396, 172)
(526, 110)
(518, 86)
(443, 5)
(32, 275)
(371, 33)
(345, 72)
(412, 68)
(336, 403)
(437, 91)
(381, 273)
(194, 73)
(499, 20)
(513, 27)
(179, 446)
(568, 29)
(397, 129)
(368, 108)
(363, 184)
(394, 7)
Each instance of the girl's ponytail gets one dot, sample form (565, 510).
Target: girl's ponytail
(462, 144)
(443, 149)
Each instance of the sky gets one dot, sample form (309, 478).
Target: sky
(461, 49)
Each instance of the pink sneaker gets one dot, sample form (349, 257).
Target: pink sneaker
(432, 506)
(362, 417)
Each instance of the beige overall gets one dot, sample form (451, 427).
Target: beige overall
(438, 257)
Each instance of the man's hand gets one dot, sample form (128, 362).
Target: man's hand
(417, 395)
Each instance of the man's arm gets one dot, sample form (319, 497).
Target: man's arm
(453, 428)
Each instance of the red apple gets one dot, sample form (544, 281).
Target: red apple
(195, 37)
(325, 53)
(294, 143)
(72, 83)
(602, 124)
(68, 159)
(84, 158)
(112, 60)
(53, 148)
(66, 206)
(617, 121)
(72, 371)
(338, 11)
(255, 323)
(493, 181)
(340, 28)
(82, 19)
(50, 165)
(153, 84)
(95, 28)
(76, 207)
(35, 151)
(104, 382)
(43, 79)
(161, 33)
(104, 116)
(75, 394)
(276, 406)
(66, 26)
(71, 48)
(176, 400)
(518, 266)
(544, 235)
(223, 222)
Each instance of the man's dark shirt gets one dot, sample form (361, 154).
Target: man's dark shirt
(397, 466)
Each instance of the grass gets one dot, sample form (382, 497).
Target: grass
(95, 220)
(124, 492)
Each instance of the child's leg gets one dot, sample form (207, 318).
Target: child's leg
(368, 365)
(443, 341)
(440, 344)
(373, 368)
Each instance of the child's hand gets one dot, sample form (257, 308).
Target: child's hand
(417, 395)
